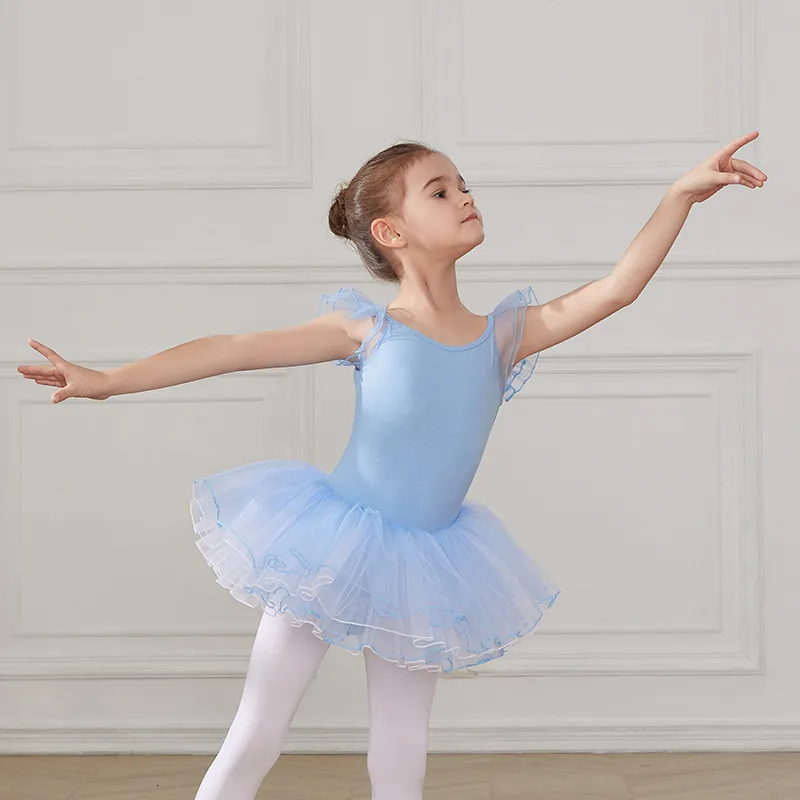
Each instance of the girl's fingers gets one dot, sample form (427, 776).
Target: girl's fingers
(30, 370)
(49, 354)
(44, 382)
(748, 180)
(739, 178)
(725, 178)
(733, 146)
(746, 166)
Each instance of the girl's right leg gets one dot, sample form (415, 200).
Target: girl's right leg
(283, 663)
(400, 702)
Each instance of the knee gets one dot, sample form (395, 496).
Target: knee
(253, 748)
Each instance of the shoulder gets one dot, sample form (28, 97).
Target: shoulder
(509, 307)
(349, 299)
(361, 320)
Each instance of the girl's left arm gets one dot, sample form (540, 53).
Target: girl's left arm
(570, 314)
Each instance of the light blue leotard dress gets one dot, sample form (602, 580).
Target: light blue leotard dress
(384, 551)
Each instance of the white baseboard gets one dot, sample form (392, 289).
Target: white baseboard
(578, 737)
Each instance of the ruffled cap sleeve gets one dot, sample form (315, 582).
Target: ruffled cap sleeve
(509, 323)
(356, 305)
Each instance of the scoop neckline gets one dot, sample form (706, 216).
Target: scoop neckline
(467, 346)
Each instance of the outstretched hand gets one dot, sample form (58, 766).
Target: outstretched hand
(721, 169)
(73, 380)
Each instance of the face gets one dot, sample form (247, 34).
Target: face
(435, 220)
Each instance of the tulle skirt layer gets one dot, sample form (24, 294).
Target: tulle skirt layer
(279, 537)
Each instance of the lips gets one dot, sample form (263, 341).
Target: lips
(471, 216)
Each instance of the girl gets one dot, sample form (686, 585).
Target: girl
(383, 555)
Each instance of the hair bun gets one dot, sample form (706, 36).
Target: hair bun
(337, 215)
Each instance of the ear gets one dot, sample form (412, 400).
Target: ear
(386, 234)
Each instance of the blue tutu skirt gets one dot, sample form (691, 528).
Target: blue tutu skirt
(279, 537)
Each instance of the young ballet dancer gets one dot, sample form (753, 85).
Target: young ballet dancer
(384, 556)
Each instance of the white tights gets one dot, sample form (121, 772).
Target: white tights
(283, 663)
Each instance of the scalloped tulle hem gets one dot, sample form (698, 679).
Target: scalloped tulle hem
(443, 665)
(299, 525)
(297, 615)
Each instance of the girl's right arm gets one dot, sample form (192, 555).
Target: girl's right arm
(326, 337)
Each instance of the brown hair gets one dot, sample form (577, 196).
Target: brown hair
(376, 190)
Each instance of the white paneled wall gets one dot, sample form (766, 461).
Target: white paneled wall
(165, 174)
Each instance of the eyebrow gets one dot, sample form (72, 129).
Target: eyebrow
(440, 178)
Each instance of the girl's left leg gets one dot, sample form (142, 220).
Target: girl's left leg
(400, 702)
(284, 661)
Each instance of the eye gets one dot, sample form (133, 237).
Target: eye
(442, 191)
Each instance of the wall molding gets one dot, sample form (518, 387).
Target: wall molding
(556, 735)
(583, 160)
(192, 272)
(280, 156)
(735, 645)
(31, 648)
